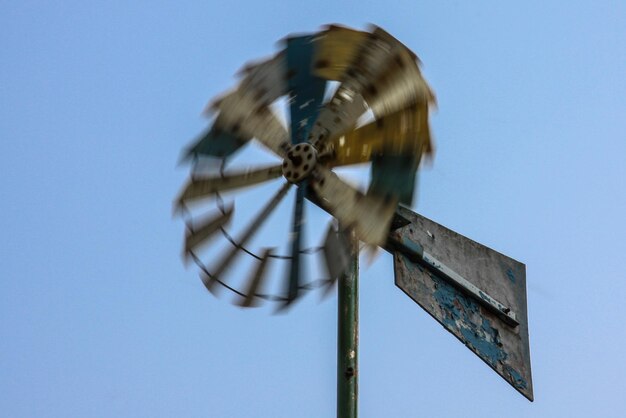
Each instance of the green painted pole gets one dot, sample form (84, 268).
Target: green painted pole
(348, 337)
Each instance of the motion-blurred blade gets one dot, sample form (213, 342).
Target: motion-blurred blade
(255, 281)
(293, 280)
(405, 132)
(247, 234)
(241, 114)
(400, 86)
(335, 49)
(349, 102)
(266, 80)
(200, 235)
(337, 252)
(370, 216)
(339, 115)
(306, 90)
(215, 143)
(394, 175)
(199, 187)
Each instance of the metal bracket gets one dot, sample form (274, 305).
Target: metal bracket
(415, 252)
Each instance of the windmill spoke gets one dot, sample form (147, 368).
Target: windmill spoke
(369, 215)
(256, 280)
(200, 187)
(229, 257)
(294, 277)
(197, 236)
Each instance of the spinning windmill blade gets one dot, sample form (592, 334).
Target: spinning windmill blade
(375, 71)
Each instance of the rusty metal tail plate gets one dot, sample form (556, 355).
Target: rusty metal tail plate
(504, 347)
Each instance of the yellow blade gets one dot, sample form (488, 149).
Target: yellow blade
(403, 132)
(374, 58)
(400, 86)
(335, 49)
(341, 113)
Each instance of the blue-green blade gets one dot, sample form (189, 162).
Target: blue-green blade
(215, 143)
(306, 90)
(394, 175)
(294, 278)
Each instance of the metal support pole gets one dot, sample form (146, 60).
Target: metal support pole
(348, 337)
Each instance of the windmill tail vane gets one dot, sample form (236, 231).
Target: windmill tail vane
(375, 74)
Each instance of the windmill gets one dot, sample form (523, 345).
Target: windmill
(441, 270)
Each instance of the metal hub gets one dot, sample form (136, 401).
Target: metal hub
(299, 162)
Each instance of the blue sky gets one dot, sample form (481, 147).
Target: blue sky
(98, 316)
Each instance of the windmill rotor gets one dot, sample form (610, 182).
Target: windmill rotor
(378, 115)
(375, 73)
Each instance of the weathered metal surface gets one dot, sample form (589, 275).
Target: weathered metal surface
(369, 215)
(500, 344)
(415, 253)
(348, 337)
(200, 187)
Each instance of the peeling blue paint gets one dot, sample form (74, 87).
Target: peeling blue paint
(459, 312)
(515, 378)
(510, 275)
(462, 316)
